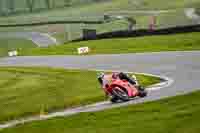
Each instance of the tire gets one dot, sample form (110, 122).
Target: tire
(120, 94)
(142, 93)
(114, 99)
(140, 88)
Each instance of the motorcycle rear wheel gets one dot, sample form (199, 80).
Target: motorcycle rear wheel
(142, 93)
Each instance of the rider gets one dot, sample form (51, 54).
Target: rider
(119, 75)
(124, 76)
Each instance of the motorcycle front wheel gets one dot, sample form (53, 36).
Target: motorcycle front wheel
(114, 99)
(120, 94)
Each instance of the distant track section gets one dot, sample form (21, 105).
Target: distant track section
(40, 39)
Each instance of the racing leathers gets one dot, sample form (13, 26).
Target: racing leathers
(103, 81)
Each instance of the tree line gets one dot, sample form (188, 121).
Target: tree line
(11, 6)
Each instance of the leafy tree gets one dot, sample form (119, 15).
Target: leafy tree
(67, 2)
(11, 5)
(30, 4)
(53, 4)
(1, 6)
(48, 5)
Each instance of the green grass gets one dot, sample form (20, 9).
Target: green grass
(9, 44)
(179, 42)
(31, 91)
(178, 114)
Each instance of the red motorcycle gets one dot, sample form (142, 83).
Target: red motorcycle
(120, 89)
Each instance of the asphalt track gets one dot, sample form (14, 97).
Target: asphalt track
(182, 67)
(40, 39)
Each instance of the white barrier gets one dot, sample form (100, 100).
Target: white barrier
(83, 50)
(12, 53)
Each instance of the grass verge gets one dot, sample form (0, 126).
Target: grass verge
(32, 91)
(179, 42)
(178, 115)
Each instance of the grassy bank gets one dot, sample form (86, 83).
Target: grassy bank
(178, 115)
(95, 11)
(28, 91)
(9, 44)
(189, 41)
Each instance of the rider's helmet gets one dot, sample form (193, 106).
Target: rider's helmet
(115, 75)
(100, 75)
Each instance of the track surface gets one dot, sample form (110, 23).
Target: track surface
(40, 39)
(182, 67)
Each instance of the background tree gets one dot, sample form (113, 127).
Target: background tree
(67, 2)
(30, 4)
(48, 4)
(1, 7)
(53, 3)
(11, 6)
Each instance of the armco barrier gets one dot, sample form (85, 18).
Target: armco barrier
(146, 32)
